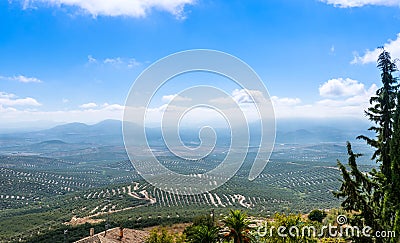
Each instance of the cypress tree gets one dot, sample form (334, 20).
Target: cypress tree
(375, 195)
(381, 113)
(358, 189)
(394, 191)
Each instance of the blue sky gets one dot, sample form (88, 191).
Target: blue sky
(75, 60)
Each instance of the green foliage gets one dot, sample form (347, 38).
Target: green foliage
(203, 230)
(381, 113)
(374, 196)
(294, 221)
(394, 193)
(358, 189)
(162, 236)
(204, 234)
(317, 215)
(238, 225)
(205, 220)
(63, 233)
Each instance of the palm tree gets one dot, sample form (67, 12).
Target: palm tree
(204, 234)
(239, 226)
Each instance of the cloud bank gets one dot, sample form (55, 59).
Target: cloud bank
(22, 79)
(10, 100)
(88, 105)
(340, 87)
(129, 8)
(361, 3)
(339, 97)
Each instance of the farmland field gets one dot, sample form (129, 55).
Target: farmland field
(43, 193)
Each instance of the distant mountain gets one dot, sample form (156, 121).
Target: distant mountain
(319, 134)
(69, 128)
(45, 148)
(105, 133)
(109, 132)
(104, 127)
(320, 130)
(109, 126)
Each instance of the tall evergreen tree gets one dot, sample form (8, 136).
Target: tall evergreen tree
(381, 113)
(372, 194)
(358, 189)
(394, 192)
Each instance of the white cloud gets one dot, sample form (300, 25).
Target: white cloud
(7, 95)
(285, 101)
(105, 106)
(242, 96)
(392, 46)
(91, 59)
(246, 96)
(10, 100)
(112, 107)
(115, 61)
(356, 100)
(88, 105)
(22, 79)
(360, 3)
(6, 109)
(340, 87)
(131, 63)
(131, 8)
(341, 98)
(175, 97)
